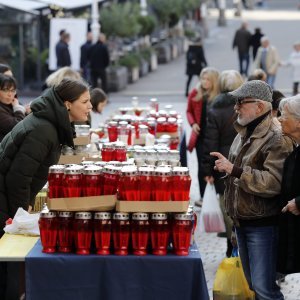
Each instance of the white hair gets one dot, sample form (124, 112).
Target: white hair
(264, 39)
(292, 104)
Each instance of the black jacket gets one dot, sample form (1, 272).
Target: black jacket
(84, 49)
(27, 152)
(289, 224)
(62, 54)
(195, 60)
(98, 56)
(242, 40)
(219, 135)
(255, 42)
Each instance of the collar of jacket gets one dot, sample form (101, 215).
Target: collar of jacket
(261, 129)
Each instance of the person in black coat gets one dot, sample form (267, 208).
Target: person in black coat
(255, 41)
(195, 62)
(98, 56)
(219, 136)
(62, 51)
(84, 62)
(289, 222)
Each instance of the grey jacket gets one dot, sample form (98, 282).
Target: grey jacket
(255, 194)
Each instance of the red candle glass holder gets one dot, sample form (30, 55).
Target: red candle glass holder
(83, 228)
(140, 233)
(162, 184)
(145, 183)
(154, 104)
(108, 152)
(181, 231)
(128, 184)
(65, 231)
(55, 180)
(92, 181)
(120, 152)
(172, 126)
(112, 130)
(102, 232)
(48, 231)
(181, 183)
(121, 233)
(111, 175)
(161, 125)
(160, 233)
(73, 181)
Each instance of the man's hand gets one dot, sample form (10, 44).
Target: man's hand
(209, 179)
(292, 207)
(196, 128)
(222, 164)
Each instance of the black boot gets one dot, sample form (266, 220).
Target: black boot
(229, 248)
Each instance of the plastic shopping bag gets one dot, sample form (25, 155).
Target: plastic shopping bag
(24, 223)
(230, 282)
(211, 217)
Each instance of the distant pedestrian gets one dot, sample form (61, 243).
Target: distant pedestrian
(258, 74)
(255, 41)
(62, 50)
(267, 58)
(195, 62)
(84, 62)
(242, 40)
(98, 56)
(6, 70)
(294, 63)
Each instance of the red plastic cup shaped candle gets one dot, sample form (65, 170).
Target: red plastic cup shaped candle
(112, 130)
(102, 232)
(145, 183)
(48, 230)
(181, 231)
(160, 233)
(162, 184)
(108, 152)
(120, 152)
(92, 181)
(181, 183)
(65, 231)
(121, 233)
(128, 184)
(73, 181)
(55, 181)
(111, 175)
(83, 228)
(140, 233)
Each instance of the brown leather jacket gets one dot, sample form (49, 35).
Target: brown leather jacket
(255, 194)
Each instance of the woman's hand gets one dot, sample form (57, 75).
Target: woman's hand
(222, 164)
(292, 208)
(196, 128)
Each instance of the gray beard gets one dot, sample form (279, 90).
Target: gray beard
(244, 122)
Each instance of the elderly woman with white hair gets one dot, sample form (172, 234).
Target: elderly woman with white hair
(289, 234)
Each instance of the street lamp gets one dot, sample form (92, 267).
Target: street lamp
(95, 26)
(143, 5)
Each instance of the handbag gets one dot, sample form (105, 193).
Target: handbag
(211, 217)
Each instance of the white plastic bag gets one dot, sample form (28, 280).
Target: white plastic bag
(211, 217)
(24, 223)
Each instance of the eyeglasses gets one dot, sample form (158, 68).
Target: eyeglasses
(239, 102)
(9, 91)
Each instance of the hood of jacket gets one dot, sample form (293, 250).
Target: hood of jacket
(51, 107)
(223, 100)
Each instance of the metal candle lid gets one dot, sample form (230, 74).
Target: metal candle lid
(159, 216)
(112, 169)
(140, 216)
(102, 216)
(85, 215)
(92, 170)
(186, 217)
(161, 120)
(65, 214)
(121, 216)
(57, 169)
(129, 170)
(146, 171)
(87, 163)
(180, 171)
(45, 213)
(163, 171)
(74, 170)
(100, 163)
(172, 120)
(113, 123)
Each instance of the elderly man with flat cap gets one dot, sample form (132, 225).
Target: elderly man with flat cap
(254, 170)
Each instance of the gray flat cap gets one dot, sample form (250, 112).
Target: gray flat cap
(256, 89)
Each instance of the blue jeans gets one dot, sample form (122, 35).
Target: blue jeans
(244, 63)
(271, 80)
(258, 252)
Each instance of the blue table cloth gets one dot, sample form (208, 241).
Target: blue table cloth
(75, 277)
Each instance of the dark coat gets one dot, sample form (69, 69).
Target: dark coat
(242, 40)
(255, 42)
(84, 49)
(195, 60)
(8, 119)
(62, 54)
(27, 152)
(98, 56)
(289, 224)
(219, 135)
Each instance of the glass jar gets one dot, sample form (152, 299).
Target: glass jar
(181, 183)
(123, 132)
(111, 175)
(108, 152)
(120, 152)
(162, 184)
(160, 233)
(174, 158)
(128, 184)
(92, 181)
(55, 180)
(154, 104)
(82, 130)
(174, 143)
(194, 222)
(152, 127)
(172, 126)
(72, 181)
(83, 228)
(112, 129)
(181, 231)
(162, 157)
(65, 231)
(102, 232)
(151, 158)
(140, 233)
(146, 183)
(139, 157)
(161, 125)
(48, 231)
(121, 233)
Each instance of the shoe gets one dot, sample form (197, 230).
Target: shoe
(198, 203)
